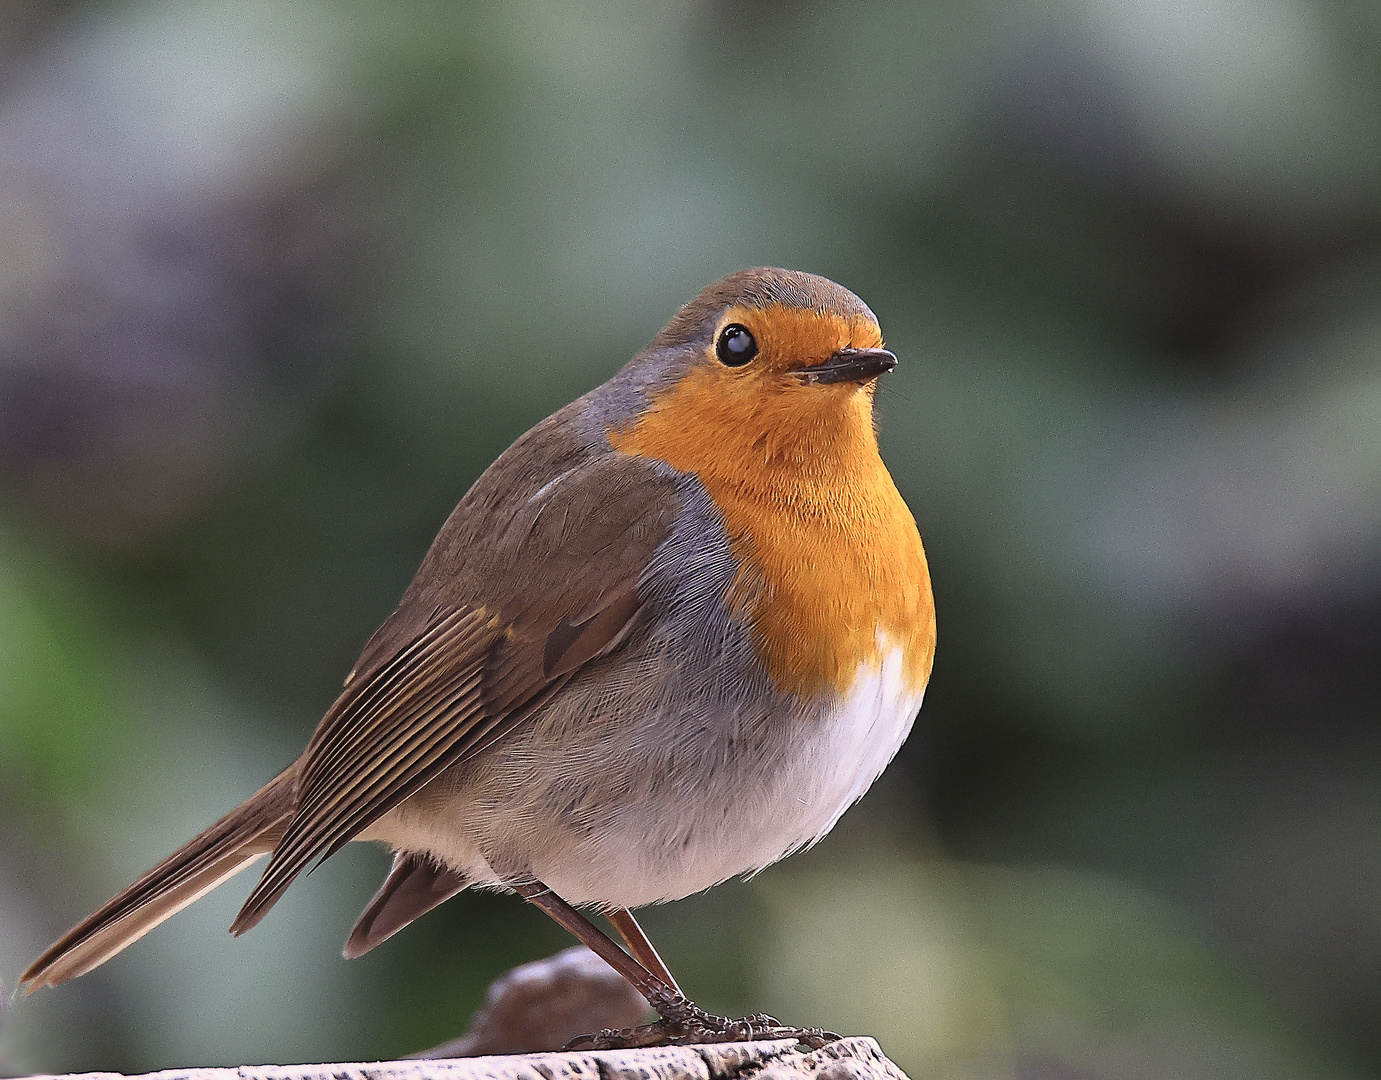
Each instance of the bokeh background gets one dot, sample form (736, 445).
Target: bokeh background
(278, 280)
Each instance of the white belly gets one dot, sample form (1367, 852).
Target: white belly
(830, 772)
(741, 825)
(733, 811)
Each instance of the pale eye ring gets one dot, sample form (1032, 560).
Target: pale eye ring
(736, 345)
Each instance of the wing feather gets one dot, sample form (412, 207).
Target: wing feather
(534, 576)
(376, 747)
(494, 624)
(348, 726)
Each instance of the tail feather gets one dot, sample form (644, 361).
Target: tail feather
(243, 836)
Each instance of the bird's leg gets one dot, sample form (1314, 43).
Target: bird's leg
(640, 945)
(682, 1021)
(657, 992)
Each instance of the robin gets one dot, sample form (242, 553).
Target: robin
(667, 638)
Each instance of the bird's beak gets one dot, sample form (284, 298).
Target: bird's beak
(850, 365)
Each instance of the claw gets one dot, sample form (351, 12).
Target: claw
(686, 1024)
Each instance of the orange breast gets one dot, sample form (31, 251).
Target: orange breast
(830, 553)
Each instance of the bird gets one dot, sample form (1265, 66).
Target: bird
(667, 638)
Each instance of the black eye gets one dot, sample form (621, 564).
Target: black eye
(735, 346)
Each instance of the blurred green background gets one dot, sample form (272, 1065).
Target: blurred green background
(278, 280)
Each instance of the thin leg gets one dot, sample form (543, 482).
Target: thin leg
(682, 1021)
(640, 945)
(658, 993)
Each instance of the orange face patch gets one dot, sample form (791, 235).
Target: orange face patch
(791, 338)
(829, 550)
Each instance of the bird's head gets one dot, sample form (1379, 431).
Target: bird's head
(765, 366)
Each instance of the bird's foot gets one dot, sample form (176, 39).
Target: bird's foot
(683, 1022)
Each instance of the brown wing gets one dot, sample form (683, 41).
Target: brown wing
(413, 887)
(526, 582)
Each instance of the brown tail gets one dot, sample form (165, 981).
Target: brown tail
(244, 835)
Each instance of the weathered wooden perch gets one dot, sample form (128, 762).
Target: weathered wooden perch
(848, 1059)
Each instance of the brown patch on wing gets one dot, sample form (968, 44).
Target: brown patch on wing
(527, 581)
(578, 640)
